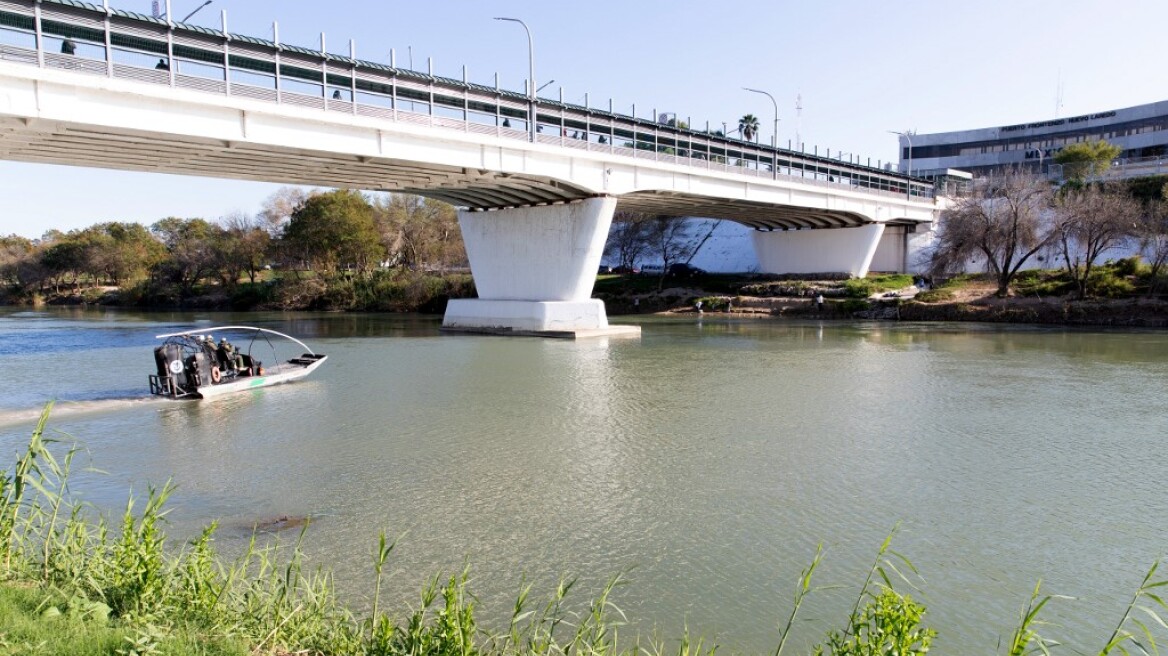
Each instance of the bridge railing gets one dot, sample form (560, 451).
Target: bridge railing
(91, 39)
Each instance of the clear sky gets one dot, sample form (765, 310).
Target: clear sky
(862, 68)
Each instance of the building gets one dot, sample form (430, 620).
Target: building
(1141, 131)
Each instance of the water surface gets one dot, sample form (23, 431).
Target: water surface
(707, 459)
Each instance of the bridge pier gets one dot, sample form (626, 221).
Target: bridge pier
(534, 269)
(838, 250)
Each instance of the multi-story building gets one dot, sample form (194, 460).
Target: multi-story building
(1141, 131)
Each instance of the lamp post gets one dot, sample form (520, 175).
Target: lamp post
(908, 137)
(188, 16)
(775, 137)
(531, 73)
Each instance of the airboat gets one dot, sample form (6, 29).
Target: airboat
(192, 366)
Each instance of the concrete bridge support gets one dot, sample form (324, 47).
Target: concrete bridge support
(534, 268)
(847, 250)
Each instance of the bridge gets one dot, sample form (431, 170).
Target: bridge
(536, 181)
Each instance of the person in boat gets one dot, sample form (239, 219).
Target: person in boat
(230, 357)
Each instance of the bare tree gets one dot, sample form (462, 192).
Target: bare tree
(628, 239)
(1090, 221)
(419, 232)
(1152, 231)
(245, 246)
(1005, 220)
(278, 208)
(673, 240)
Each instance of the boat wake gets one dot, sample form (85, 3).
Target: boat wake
(72, 408)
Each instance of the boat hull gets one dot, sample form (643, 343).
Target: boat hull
(255, 382)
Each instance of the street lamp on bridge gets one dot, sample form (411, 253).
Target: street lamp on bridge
(908, 137)
(775, 136)
(531, 89)
(185, 18)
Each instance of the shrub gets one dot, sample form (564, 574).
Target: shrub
(889, 624)
(1105, 283)
(860, 288)
(247, 296)
(937, 295)
(714, 303)
(1037, 282)
(1128, 266)
(865, 287)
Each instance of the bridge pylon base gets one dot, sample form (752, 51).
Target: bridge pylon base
(567, 319)
(534, 268)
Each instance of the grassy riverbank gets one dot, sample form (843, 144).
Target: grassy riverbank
(74, 583)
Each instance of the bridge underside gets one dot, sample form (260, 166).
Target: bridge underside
(761, 216)
(52, 143)
(49, 142)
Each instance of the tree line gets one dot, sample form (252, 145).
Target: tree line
(329, 233)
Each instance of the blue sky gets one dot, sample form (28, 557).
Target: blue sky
(861, 67)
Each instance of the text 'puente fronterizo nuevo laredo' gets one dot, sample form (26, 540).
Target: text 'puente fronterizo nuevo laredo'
(88, 85)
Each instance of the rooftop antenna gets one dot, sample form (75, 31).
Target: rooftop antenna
(798, 118)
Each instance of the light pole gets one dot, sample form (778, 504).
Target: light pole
(531, 73)
(908, 137)
(188, 16)
(775, 137)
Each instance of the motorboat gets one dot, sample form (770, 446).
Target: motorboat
(192, 366)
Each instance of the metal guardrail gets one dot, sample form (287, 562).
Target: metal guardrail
(97, 40)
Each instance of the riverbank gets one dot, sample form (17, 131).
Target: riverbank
(1041, 297)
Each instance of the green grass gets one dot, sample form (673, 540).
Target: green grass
(40, 622)
(865, 287)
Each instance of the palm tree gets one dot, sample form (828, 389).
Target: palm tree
(748, 125)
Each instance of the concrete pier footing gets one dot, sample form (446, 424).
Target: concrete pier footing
(534, 269)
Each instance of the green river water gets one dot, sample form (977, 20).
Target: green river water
(707, 458)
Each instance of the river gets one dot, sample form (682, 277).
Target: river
(707, 459)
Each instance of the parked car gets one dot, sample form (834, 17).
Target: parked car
(682, 270)
(604, 268)
(625, 269)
